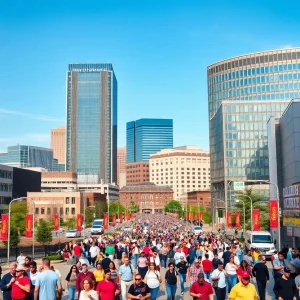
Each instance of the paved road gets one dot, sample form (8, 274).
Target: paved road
(64, 269)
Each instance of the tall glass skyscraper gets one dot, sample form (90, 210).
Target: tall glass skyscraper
(146, 137)
(243, 93)
(92, 122)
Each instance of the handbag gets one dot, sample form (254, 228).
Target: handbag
(216, 281)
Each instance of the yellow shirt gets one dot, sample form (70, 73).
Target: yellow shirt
(256, 255)
(242, 292)
(99, 275)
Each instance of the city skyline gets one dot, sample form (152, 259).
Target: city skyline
(173, 38)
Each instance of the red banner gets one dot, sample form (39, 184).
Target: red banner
(4, 229)
(273, 214)
(121, 218)
(190, 216)
(105, 221)
(200, 216)
(237, 219)
(229, 221)
(28, 226)
(128, 217)
(113, 220)
(256, 219)
(79, 222)
(56, 222)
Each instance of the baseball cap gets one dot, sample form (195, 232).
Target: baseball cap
(287, 270)
(245, 275)
(20, 268)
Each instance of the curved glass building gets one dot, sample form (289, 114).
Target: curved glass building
(243, 93)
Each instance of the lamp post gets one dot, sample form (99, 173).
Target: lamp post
(237, 201)
(251, 208)
(8, 234)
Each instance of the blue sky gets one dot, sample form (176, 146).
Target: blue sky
(159, 50)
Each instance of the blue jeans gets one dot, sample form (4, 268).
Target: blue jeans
(71, 291)
(231, 280)
(135, 259)
(163, 260)
(182, 280)
(207, 275)
(154, 293)
(171, 291)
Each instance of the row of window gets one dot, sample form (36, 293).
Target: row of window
(5, 187)
(6, 174)
(182, 159)
(50, 211)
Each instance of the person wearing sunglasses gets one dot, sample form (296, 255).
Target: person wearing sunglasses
(139, 290)
(71, 282)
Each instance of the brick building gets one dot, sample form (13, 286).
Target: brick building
(149, 197)
(121, 160)
(137, 172)
(199, 198)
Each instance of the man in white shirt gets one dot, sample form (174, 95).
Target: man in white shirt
(178, 254)
(220, 275)
(94, 250)
(21, 259)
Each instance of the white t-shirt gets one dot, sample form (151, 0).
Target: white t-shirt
(94, 251)
(21, 259)
(152, 279)
(92, 293)
(230, 269)
(222, 278)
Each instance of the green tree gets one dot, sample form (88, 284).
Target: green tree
(133, 208)
(207, 216)
(174, 206)
(14, 238)
(70, 223)
(44, 232)
(89, 215)
(115, 208)
(257, 203)
(100, 209)
(18, 215)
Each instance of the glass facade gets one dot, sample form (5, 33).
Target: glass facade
(243, 93)
(22, 156)
(146, 137)
(92, 122)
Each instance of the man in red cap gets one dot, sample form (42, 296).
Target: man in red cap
(244, 289)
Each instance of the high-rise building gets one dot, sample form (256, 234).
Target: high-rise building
(184, 169)
(243, 93)
(121, 166)
(58, 144)
(22, 156)
(148, 136)
(92, 122)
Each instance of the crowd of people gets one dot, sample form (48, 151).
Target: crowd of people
(160, 253)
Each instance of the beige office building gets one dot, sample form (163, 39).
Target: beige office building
(184, 169)
(58, 144)
(121, 160)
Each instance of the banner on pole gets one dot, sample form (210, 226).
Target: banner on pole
(79, 222)
(4, 230)
(273, 214)
(105, 221)
(200, 216)
(121, 218)
(229, 221)
(237, 219)
(56, 222)
(28, 225)
(256, 219)
(113, 220)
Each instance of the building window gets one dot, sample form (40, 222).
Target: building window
(73, 200)
(67, 200)
(67, 211)
(48, 211)
(42, 210)
(73, 211)
(37, 210)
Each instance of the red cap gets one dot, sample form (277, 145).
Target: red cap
(245, 274)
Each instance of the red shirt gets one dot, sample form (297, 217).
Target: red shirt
(207, 265)
(16, 291)
(80, 278)
(185, 250)
(77, 250)
(146, 250)
(205, 290)
(107, 289)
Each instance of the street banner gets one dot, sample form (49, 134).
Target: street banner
(121, 218)
(237, 219)
(200, 216)
(256, 219)
(190, 216)
(79, 222)
(4, 230)
(105, 221)
(128, 217)
(113, 220)
(56, 222)
(28, 225)
(273, 214)
(229, 221)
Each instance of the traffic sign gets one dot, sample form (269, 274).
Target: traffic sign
(238, 186)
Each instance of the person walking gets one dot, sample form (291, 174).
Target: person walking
(207, 266)
(285, 287)
(83, 275)
(171, 279)
(244, 290)
(164, 250)
(182, 268)
(193, 271)
(153, 280)
(226, 256)
(142, 264)
(218, 277)
(201, 290)
(98, 273)
(71, 282)
(261, 273)
(47, 283)
(32, 274)
(94, 250)
(125, 277)
(139, 289)
(21, 286)
(88, 292)
(278, 266)
(7, 281)
(231, 270)
(107, 289)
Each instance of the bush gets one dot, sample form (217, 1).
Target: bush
(56, 256)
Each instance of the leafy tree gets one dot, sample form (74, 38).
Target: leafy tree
(14, 238)
(100, 209)
(44, 232)
(115, 208)
(175, 207)
(257, 203)
(89, 215)
(133, 208)
(70, 223)
(207, 216)
(18, 215)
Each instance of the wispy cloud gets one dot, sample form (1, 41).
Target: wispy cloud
(4, 111)
(287, 46)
